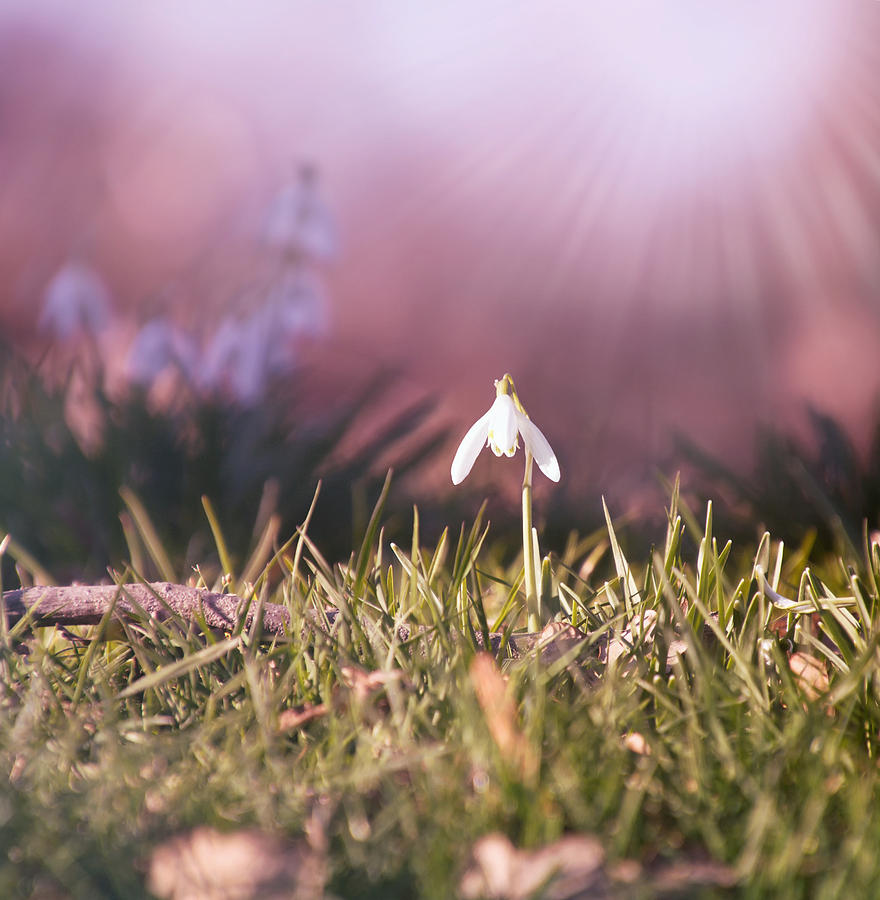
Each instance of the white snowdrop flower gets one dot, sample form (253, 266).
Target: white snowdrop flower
(245, 353)
(269, 339)
(251, 362)
(158, 345)
(237, 359)
(76, 300)
(301, 304)
(217, 355)
(299, 221)
(500, 428)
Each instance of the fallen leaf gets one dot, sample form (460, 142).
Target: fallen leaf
(638, 634)
(557, 639)
(361, 684)
(616, 649)
(364, 682)
(683, 878)
(499, 709)
(291, 719)
(810, 674)
(206, 864)
(574, 868)
(677, 647)
(637, 743)
(569, 867)
(641, 628)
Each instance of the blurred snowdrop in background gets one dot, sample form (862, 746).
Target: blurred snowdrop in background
(76, 302)
(298, 221)
(302, 304)
(260, 339)
(158, 346)
(245, 353)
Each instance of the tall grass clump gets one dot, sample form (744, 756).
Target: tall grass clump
(817, 491)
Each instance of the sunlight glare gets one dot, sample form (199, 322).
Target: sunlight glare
(713, 73)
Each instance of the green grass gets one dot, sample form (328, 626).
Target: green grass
(112, 746)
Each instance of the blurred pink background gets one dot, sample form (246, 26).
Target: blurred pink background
(655, 216)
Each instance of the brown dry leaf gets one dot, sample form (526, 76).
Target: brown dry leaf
(557, 639)
(361, 683)
(810, 674)
(641, 628)
(291, 719)
(682, 878)
(206, 864)
(779, 626)
(639, 631)
(636, 742)
(677, 647)
(364, 682)
(18, 767)
(574, 868)
(500, 712)
(569, 867)
(615, 650)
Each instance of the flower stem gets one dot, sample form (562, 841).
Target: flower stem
(532, 601)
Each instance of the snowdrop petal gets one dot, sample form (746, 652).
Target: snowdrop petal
(539, 447)
(503, 426)
(469, 448)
